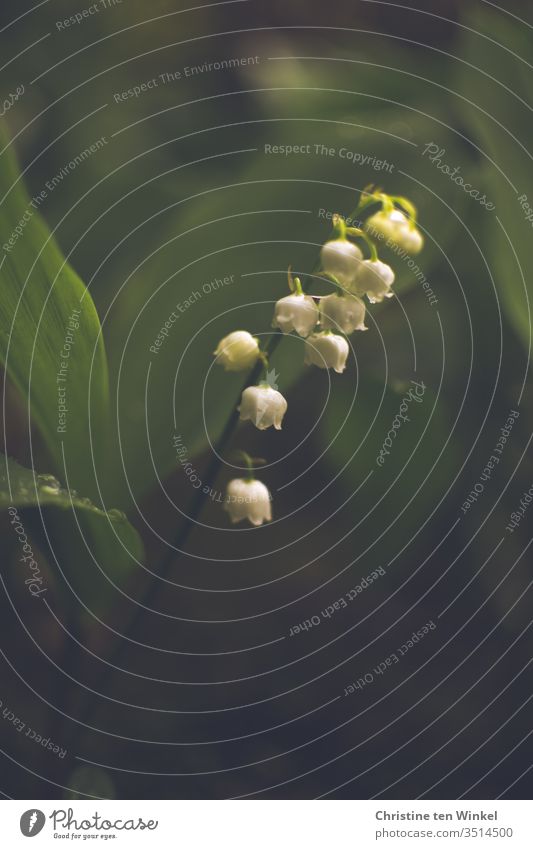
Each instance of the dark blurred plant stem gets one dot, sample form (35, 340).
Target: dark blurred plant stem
(153, 588)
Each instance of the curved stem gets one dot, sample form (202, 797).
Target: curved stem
(339, 226)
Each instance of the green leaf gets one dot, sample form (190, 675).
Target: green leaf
(50, 336)
(93, 549)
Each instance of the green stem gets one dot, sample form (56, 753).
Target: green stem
(356, 231)
(249, 465)
(263, 360)
(409, 207)
(339, 226)
(372, 247)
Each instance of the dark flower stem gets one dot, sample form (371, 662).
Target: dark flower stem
(187, 526)
(165, 565)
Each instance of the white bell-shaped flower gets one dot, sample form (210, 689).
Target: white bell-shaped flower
(341, 258)
(262, 405)
(248, 499)
(296, 312)
(326, 350)
(374, 279)
(237, 351)
(342, 312)
(397, 228)
(413, 241)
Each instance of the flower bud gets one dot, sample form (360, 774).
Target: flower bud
(341, 259)
(374, 279)
(248, 499)
(326, 350)
(296, 312)
(397, 229)
(262, 405)
(342, 312)
(237, 351)
(413, 241)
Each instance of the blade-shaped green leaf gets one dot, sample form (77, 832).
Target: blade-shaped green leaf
(50, 340)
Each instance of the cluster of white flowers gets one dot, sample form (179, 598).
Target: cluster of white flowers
(323, 321)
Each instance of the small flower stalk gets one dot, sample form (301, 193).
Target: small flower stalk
(322, 321)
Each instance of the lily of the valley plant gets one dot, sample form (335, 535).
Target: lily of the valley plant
(323, 320)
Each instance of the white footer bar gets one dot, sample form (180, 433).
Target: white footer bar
(268, 824)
